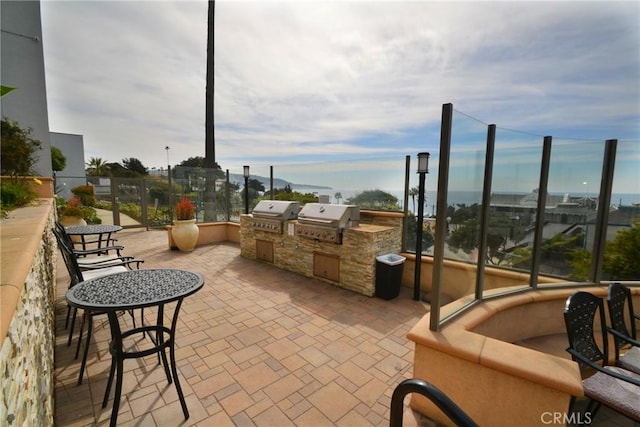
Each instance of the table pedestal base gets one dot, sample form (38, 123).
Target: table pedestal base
(164, 338)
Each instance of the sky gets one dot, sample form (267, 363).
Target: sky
(335, 81)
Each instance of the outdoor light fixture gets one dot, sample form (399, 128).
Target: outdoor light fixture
(423, 162)
(245, 172)
(423, 169)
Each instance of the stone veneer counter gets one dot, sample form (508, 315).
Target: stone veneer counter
(350, 265)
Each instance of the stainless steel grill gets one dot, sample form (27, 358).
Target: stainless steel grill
(270, 215)
(326, 222)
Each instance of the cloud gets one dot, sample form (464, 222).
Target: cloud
(318, 80)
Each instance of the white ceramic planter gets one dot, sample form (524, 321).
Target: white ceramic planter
(185, 234)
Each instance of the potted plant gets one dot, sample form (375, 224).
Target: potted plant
(71, 213)
(185, 231)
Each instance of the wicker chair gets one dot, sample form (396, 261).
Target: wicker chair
(611, 386)
(623, 328)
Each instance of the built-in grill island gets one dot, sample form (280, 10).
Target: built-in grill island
(333, 243)
(270, 215)
(326, 222)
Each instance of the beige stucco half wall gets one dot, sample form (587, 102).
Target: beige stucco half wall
(481, 359)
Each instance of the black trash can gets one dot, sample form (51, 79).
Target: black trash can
(389, 275)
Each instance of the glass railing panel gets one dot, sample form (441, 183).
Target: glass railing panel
(464, 204)
(621, 253)
(159, 201)
(513, 204)
(464, 195)
(199, 184)
(571, 208)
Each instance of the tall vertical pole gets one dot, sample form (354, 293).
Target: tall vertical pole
(536, 254)
(418, 269)
(271, 182)
(170, 201)
(210, 213)
(246, 194)
(423, 169)
(602, 218)
(210, 149)
(245, 173)
(441, 215)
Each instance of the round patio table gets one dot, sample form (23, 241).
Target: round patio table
(136, 289)
(103, 231)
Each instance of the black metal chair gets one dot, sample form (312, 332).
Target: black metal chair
(77, 275)
(623, 328)
(611, 386)
(90, 256)
(90, 259)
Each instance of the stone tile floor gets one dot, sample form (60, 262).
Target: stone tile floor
(257, 346)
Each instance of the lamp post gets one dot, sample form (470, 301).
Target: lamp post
(246, 188)
(423, 169)
(169, 181)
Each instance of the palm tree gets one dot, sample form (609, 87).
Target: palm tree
(338, 196)
(413, 192)
(97, 167)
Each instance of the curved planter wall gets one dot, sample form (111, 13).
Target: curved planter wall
(504, 360)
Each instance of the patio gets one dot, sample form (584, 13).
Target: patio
(256, 346)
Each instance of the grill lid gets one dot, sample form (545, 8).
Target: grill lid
(282, 210)
(328, 215)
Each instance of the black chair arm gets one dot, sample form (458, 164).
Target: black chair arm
(125, 263)
(586, 361)
(623, 337)
(96, 261)
(84, 252)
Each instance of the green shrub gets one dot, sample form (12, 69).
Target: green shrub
(132, 210)
(15, 193)
(90, 215)
(17, 149)
(103, 204)
(85, 194)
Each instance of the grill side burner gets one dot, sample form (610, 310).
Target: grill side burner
(270, 215)
(326, 222)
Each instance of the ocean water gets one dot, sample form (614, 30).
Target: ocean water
(453, 198)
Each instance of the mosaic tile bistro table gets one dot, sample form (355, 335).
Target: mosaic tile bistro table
(102, 231)
(138, 289)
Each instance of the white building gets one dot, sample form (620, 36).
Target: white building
(74, 174)
(22, 67)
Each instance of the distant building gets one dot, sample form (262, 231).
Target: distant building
(22, 67)
(74, 174)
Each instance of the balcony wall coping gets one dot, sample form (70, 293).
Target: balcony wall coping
(20, 236)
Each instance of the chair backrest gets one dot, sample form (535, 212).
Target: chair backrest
(63, 234)
(69, 258)
(618, 296)
(579, 318)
